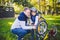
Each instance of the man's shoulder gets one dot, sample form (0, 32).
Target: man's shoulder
(22, 13)
(22, 16)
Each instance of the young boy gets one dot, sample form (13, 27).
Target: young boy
(34, 19)
(34, 16)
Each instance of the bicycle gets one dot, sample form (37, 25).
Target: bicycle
(51, 34)
(41, 28)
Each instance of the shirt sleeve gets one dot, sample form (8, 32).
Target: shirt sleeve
(22, 24)
(36, 20)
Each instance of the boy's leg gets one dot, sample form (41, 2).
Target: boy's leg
(32, 34)
(20, 32)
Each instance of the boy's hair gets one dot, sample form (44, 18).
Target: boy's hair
(26, 8)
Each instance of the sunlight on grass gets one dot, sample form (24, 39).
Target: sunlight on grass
(50, 17)
(10, 23)
(56, 23)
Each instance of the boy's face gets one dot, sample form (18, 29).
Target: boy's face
(33, 13)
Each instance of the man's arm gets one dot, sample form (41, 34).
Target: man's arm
(22, 24)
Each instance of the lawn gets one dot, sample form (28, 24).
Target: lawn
(5, 24)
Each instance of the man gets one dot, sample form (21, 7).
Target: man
(19, 26)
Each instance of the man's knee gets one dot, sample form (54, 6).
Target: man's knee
(19, 32)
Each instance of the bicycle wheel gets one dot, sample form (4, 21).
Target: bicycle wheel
(51, 35)
(41, 29)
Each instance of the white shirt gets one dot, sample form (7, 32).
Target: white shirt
(20, 24)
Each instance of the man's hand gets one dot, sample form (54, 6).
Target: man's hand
(34, 27)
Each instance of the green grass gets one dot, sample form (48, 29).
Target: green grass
(5, 25)
(54, 20)
(5, 33)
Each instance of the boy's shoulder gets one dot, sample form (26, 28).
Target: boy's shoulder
(37, 14)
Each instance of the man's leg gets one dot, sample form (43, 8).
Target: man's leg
(20, 32)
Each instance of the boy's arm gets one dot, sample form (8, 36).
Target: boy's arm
(36, 20)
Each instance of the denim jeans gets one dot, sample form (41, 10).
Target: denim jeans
(20, 32)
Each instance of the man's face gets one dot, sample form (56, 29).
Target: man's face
(27, 13)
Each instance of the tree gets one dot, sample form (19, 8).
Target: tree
(23, 3)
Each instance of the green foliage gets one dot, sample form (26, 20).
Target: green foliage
(30, 3)
(18, 8)
(20, 4)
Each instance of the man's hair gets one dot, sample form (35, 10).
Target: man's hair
(26, 8)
